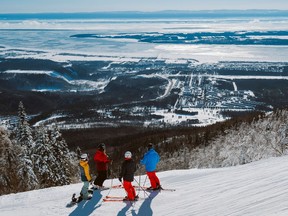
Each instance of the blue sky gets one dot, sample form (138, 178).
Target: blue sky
(38, 6)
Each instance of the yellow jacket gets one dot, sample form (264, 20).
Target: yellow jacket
(84, 171)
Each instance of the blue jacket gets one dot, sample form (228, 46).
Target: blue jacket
(150, 160)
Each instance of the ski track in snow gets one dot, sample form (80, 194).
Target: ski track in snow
(256, 189)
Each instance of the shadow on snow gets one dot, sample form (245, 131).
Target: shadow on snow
(144, 210)
(86, 207)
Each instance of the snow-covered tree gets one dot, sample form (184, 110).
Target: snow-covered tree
(8, 163)
(24, 132)
(63, 165)
(264, 138)
(44, 158)
(281, 141)
(25, 140)
(28, 180)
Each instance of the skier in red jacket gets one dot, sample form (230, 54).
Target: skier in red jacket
(101, 159)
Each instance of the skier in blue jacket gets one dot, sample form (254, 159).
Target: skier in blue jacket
(150, 160)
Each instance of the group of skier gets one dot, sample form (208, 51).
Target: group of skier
(126, 175)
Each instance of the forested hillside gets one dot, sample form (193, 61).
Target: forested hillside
(39, 157)
(243, 143)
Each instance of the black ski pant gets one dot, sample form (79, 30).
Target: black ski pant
(101, 177)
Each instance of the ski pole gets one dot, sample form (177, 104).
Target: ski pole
(145, 181)
(110, 186)
(139, 184)
(139, 180)
(142, 189)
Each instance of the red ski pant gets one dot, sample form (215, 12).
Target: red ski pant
(129, 190)
(153, 179)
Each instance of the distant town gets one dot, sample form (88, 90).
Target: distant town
(151, 92)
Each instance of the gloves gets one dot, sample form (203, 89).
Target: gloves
(120, 179)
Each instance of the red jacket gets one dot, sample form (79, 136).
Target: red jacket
(101, 160)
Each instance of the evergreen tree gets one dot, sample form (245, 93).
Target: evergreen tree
(44, 158)
(8, 163)
(25, 140)
(63, 164)
(24, 131)
(28, 180)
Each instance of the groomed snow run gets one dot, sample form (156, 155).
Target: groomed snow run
(256, 189)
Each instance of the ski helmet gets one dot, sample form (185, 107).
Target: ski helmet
(101, 146)
(150, 146)
(84, 156)
(128, 154)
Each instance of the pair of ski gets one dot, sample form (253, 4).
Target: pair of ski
(119, 199)
(122, 199)
(151, 190)
(137, 187)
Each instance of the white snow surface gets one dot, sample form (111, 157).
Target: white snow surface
(256, 189)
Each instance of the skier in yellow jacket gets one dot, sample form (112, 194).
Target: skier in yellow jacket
(85, 178)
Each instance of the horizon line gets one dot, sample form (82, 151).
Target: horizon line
(158, 11)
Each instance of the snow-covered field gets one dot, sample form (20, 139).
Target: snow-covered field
(256, 189)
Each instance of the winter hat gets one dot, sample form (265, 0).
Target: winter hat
(150, 146)
(84, 156)
(101, 146)
(128, 154)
